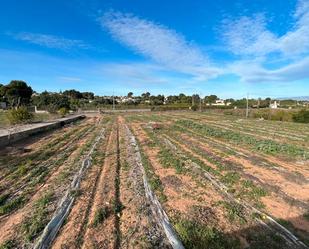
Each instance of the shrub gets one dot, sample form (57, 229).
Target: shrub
(34, 224)
(63, 111)
(194, 108)
(195, 235)
(19, 115)
(276, 115)
(100, 215)
(301, 116)
(281, 115)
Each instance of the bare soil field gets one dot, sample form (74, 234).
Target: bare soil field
(158, 180)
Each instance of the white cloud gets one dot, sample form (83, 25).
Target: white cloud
(251, 71)
(157, 42)
(49, 41)
(257, 46)
(247, 37)
(250, 35)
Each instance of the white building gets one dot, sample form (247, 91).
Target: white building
(125, 99)
(274, 105)
(221, 102)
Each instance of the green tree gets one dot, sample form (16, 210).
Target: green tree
(145, 96)
(17, 93)
(130, 94)
(211, 99)
(87, 95)
(195, 98)
(51, 101)
(73, 94)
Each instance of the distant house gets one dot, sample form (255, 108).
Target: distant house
(125, 99)
(165, 100)
(221, 102)
(274, 105)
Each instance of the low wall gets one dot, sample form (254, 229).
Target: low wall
(13, 135)
(125, 110)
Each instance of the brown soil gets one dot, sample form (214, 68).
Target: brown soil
(72, 233)
(269, 176)
(274, 204)
(292, 167)
(11, 223)
(192, 191)
(102, 235)
(136, 223)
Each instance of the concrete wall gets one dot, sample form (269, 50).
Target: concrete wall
(125, 110)
(13, 135)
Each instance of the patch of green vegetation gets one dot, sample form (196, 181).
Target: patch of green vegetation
(196, 236)
(154, 181)
(3, 198)
(168, 160)
(125, 166)
(302, 116)
(76, 192)
(235, 211)
(251, 192)
(20, 115)
(9, 244)
(240, 188)
(117, 206)
(265, 241)
(4, 122)
(286, 223)
(10, 205)
(230, 178)
(101, 215)
(263, 145)
(34, 224)
(306, 216)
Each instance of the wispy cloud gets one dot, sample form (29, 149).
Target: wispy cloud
(159, 43)
(255, 44)
(251, 71)
(49, 41)
(249, 35)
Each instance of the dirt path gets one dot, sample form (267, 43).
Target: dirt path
(101, 231)
(71, 234)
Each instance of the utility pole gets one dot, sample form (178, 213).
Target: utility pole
(200, 102)
(247, 109)
(113, 101)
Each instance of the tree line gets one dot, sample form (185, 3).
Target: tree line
(18, 93)
(18, 96)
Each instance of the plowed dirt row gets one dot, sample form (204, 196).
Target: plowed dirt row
(10, 228)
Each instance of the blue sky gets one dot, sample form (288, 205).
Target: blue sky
(223, 47)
